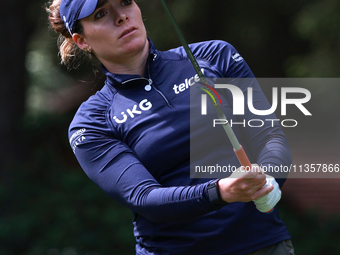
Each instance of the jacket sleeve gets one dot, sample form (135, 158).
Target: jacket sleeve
(115, 168)
(267, 145)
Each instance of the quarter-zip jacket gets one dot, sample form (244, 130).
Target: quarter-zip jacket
(133, 138)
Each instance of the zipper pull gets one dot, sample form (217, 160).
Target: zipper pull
(148, 87)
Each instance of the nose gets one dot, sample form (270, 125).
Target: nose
(122, 17)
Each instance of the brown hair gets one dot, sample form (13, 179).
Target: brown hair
(68, 49)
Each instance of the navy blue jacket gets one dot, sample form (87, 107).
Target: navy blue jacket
(132, 138)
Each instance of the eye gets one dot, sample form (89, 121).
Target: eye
(100, 14)
(127, 2)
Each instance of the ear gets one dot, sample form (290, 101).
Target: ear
(80, 41)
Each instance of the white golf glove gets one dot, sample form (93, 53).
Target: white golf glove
(266, 203)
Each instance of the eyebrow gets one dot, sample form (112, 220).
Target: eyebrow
(101, 3)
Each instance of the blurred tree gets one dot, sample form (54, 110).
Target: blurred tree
(318, 23)
(259, 30)
(48, 205)
(15, 29)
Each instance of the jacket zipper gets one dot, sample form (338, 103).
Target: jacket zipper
(152, 86)
(157, 90)
(160, 92)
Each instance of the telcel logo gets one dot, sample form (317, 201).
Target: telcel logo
(239, 99)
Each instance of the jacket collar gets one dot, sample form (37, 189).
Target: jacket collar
(116, 80)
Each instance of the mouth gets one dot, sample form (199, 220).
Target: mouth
(127, 32)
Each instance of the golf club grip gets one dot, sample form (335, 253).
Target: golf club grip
(242, 157)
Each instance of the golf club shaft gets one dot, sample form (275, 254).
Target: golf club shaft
(238, 149)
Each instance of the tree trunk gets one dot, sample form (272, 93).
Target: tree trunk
(15, 30)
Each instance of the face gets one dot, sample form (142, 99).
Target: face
(114, 32)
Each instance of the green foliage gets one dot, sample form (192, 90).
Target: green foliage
(52, 207)
(312, 234)
(318, 23)
(49, 206)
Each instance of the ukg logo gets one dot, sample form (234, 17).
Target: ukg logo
(239, 100)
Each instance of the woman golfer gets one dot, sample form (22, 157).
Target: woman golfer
(132, 138)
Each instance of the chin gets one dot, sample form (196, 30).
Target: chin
(136, 45)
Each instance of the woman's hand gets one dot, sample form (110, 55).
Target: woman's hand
(244, 186)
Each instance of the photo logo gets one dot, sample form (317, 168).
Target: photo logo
(239, 104)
